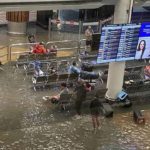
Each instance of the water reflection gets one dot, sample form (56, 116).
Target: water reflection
(27, 124)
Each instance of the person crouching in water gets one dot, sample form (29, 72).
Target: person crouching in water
(55, 99)
(95, 112)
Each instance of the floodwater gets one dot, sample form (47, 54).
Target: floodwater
(27, 123)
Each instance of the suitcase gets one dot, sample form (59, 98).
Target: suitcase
(106, 110)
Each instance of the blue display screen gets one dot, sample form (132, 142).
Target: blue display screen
(120, 42)
(145, 30)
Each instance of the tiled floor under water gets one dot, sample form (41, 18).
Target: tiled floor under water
(26, 123)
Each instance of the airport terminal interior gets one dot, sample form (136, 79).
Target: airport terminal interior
(31, 120)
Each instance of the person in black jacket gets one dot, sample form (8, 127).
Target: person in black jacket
(80, 95)
(31, 38)
(95, 111)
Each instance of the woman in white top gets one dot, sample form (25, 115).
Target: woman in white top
(140, 49)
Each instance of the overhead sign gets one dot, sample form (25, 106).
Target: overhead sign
(124, 42)
(37, 5)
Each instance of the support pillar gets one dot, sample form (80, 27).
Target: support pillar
(116, 69)
(17, 22)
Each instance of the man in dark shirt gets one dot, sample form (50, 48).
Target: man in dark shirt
(80, 95)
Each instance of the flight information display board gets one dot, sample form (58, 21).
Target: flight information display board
(120, 42)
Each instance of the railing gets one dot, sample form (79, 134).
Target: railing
(76, 46)
(10, 53)
(6, 53)
(82, 44)
(68, 42)
(47, 45)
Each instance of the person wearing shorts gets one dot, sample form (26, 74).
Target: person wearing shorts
(95, 112)
(88, 36)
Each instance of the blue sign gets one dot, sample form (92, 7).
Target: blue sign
(145, 30)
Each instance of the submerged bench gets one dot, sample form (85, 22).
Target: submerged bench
(47, 80)
(27, 58)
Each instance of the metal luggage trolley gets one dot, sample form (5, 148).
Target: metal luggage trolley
(63, 66)
(22, 59)
(39, 81)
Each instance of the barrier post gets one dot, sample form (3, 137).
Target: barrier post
(79, 38)
(49, 29)
(100, 26)
(80, 29)
(8, 54)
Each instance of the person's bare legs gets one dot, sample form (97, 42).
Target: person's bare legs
(97, 121)
(94, 122)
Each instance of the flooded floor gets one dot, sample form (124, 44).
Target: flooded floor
(26, 123)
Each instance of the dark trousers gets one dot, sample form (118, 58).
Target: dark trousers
(78, 105)
(89, 75)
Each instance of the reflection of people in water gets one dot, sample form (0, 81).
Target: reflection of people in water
(140, 49)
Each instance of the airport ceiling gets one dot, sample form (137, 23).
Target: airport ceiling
(34, 5)
(28, 5)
